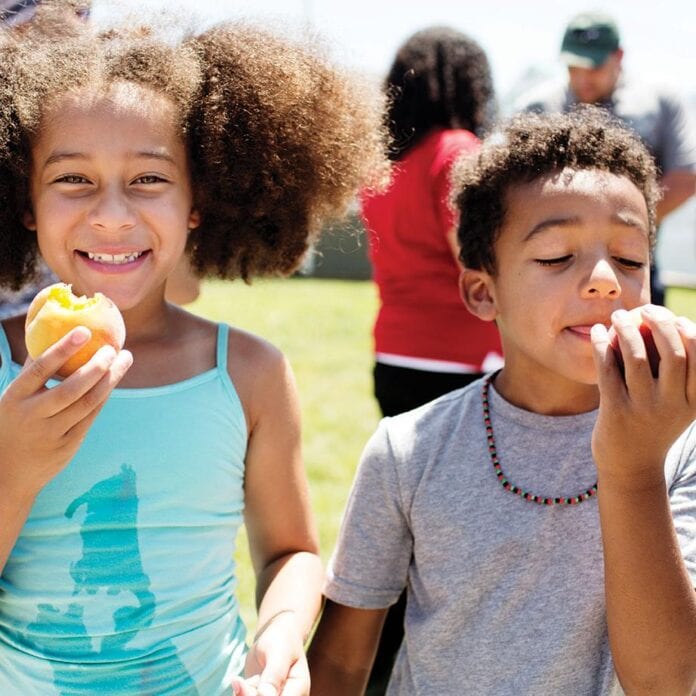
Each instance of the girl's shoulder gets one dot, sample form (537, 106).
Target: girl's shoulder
(259, 371)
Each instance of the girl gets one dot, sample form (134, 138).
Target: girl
(119, 153)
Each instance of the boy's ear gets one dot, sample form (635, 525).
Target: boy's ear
(28, 220)
(477, 290)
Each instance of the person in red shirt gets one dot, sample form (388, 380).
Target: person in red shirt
(426, 341)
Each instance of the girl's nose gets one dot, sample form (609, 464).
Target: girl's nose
(601, 281)
(111, 211)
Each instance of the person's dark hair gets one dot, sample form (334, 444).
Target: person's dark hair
(439, 78)
(530, 146)
(279, 140)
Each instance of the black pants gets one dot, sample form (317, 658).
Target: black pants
(400, 389)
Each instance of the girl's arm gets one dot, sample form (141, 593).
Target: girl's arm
(282, 536)
(651, 604)
(343, 649)
(41, 429)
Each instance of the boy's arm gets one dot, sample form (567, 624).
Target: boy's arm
(343, 649)
(651, 604)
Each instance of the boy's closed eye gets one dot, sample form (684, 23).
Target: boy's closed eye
(560, 260)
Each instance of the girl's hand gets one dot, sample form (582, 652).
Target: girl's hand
(276, 664)
(640, 416)
(42, 428)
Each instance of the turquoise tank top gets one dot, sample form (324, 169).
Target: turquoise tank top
(123, 578)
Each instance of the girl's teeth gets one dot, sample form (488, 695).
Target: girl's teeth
(114, 258)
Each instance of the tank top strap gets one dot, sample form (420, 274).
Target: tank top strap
(5, 352)
(221, 358)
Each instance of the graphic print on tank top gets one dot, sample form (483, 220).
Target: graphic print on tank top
(108, 574)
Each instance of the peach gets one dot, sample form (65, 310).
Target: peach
(56, 310)
(650, 348)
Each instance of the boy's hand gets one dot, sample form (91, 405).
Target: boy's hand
(42, 428)
(640, 416)
(276, 664)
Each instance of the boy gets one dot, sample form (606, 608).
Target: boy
(545, 536)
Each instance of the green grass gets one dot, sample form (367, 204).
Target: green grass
(323, 327)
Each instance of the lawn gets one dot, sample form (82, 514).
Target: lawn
(323, 327)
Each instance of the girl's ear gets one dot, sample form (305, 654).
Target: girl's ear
(194, 219)
(28, 220)
(477, 290)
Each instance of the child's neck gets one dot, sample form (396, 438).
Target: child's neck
(550, 396)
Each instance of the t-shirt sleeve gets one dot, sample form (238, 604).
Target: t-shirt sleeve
(370, 564)
(678, 136)
(451, 148)
(682, 494)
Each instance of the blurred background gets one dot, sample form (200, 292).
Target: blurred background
(522, 40)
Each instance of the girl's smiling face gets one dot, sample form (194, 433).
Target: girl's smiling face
(573, 248)
(111, 197)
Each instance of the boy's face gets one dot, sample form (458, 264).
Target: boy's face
(110, 193)
(573, 248)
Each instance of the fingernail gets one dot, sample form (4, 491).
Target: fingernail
(106, 353)
(80, 335)
(620, 316)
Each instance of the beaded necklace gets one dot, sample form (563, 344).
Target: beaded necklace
(504, 482)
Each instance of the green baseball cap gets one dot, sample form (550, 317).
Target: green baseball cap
(589, 39)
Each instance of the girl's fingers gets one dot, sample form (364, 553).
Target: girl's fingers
(36, 373)
(77, 417)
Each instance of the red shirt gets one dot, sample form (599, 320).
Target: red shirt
(421, 313)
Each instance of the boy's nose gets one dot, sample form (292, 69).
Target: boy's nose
(111, 211)
(601, 281)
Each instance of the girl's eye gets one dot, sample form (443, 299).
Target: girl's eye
(149, 179)
(630, 263)
(71, 179)
(554, 262)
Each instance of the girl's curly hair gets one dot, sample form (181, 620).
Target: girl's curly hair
(279, 139)
(439, 78)
(530, 146)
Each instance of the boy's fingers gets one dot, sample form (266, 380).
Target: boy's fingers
(687, 330)
(670, 347)
(608, 373)
(38, 372)
(637, 372)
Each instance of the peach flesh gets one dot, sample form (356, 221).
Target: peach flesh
(56, 310)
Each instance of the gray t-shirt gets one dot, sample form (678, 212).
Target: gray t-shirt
(657, 116)
(505, 597)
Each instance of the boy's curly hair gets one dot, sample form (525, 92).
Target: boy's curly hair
(530, 146)
(439, 78)
(279, 140)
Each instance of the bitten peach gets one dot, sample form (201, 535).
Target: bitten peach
(56, 310)
(650, 348)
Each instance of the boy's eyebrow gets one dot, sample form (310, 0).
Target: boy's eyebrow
(623, 218)
(551, 222)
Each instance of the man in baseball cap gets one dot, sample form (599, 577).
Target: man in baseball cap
(591, 50)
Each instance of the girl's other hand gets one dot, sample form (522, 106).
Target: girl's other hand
(42, 428)
(276, 663)
(640, 416)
